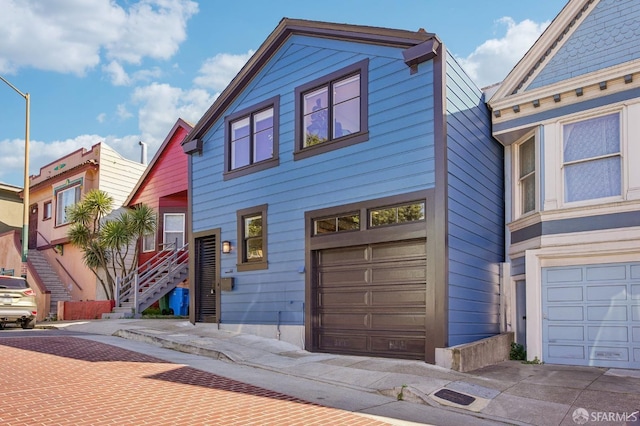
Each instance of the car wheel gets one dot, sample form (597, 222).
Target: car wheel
(29, 324)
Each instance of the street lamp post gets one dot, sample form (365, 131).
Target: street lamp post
(25, 191)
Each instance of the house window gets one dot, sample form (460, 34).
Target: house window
(591, 158)
(173, 230)
(66, 196)
(47, 210)
(339, 223)
(252, 238)
(332, 111)
(393, 215)
(527, 175)
(252, 139)
(149, 241)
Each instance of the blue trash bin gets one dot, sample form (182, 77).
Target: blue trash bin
(179, 301)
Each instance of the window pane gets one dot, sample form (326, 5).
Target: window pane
(349, 223)
(149, 242)
(528, 195)
(384, 217)
(263, 145)
(325, 226)
(346, 89)
(65, 199)
(346, 118)
(411, 213)
(593, 179)
(263, 120)
(174, 222)
(240, 129)
(240, 153)
(527, 157)
(176, 238)
(591, 138)
(253, 226)
(316, 116)
(254, 249)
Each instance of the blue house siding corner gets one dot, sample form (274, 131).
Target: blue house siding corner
(475, 211)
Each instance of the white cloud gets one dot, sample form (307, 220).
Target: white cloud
(217, 72)
(78, 31)
(101, 117)
(162, 105)
(122, 112)
(492, 60)
(117, 74)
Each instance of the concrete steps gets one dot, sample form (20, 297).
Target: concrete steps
(50, 280)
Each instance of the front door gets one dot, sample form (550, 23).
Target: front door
(33, 226)
(207, 277)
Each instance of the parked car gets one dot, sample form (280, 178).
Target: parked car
(17, 302)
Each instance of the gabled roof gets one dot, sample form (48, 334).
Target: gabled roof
(420, 46)
(542, 49)
(180, 123)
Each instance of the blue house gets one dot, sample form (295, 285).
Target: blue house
(569, 118)
(346, 195)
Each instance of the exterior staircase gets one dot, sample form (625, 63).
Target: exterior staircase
(50, 280)
(150, 281)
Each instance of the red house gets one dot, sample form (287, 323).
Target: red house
(162, 262)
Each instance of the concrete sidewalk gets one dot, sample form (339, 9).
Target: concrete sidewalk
(510, 392)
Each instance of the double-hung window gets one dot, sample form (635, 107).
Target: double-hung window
(252, 238)
(251, 139)
(592, 162)
(332, 111)
(173, 229)
(66, 196)
(527, 175)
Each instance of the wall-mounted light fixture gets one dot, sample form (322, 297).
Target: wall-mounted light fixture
(226, 247)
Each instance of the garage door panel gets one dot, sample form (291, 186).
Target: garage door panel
(565, 294)
(352, 321)
(394, 274)
(342, 299)
(339, 342)
(609, 353)
(343, 277)
(635, 292)
(566, 313)
(564, 275)
(566, 352)
(602, 328)
(607, 292)
(607, 273)
(401, 250)
(399, 297)
(608, 334)
(398, 344)
(566, 333)
(607, 313)
(342, 256)
(406, 322)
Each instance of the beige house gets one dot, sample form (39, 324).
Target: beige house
(55, 266)
(11, 208)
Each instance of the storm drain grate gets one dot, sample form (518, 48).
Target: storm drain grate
(455, 397)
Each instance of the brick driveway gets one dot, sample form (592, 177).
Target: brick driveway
(61, 380)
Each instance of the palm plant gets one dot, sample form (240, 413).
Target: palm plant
(106, 242)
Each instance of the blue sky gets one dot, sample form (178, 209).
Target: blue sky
(124, 71)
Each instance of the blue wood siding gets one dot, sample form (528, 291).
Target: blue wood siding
(608, 36)
(397, 158)
(475, 211)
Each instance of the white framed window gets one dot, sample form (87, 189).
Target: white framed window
(592, 158)
(66, 196)
(173, 229)
(525, 176)
(149, 242)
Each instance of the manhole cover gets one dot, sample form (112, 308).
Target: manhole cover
(455, 397)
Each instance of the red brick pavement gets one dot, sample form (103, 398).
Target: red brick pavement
(73, 381)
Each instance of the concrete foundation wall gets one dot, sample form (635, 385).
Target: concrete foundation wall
(474, 355)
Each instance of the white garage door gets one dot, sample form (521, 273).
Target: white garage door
(591, 315)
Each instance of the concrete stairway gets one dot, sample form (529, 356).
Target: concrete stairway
(50, 280)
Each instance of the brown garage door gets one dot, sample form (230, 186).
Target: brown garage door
(371, 300)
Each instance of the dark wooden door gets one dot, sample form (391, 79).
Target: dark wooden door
(207, 278)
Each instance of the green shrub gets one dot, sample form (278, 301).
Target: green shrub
(517, 352)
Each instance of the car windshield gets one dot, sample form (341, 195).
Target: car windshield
(9, 282)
